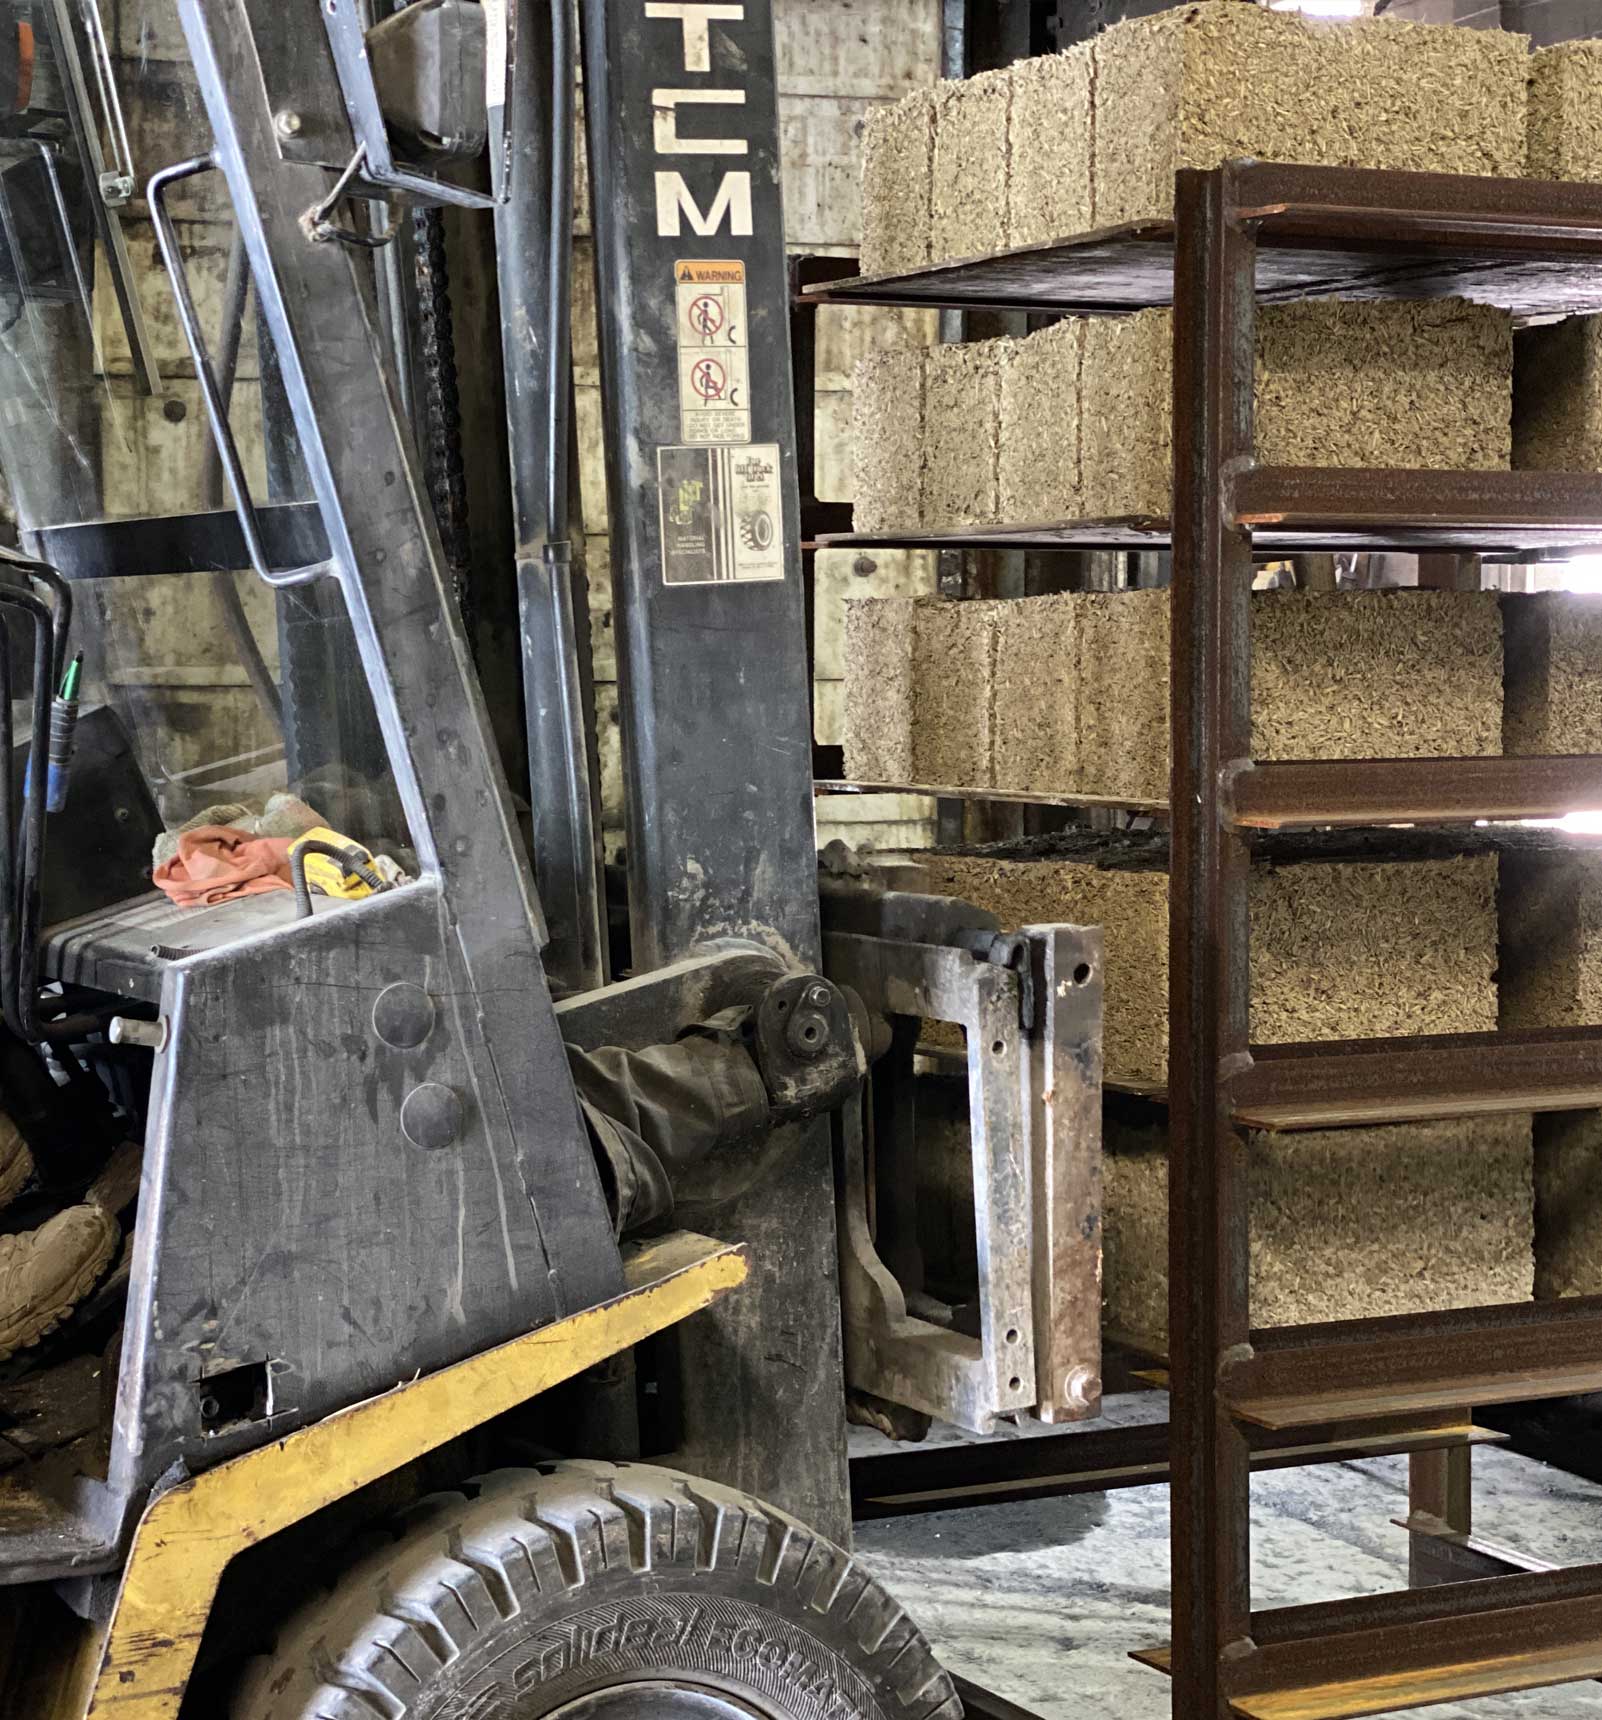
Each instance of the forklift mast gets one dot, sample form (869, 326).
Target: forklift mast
(682, 113)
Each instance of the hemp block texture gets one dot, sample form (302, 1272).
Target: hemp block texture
(962, 433)
(954, 656)
(1049, 144)
(1376, 674)
(968, 202)
(1424, 384)
(1339, 950)
(1082, 684)
(1344, 1224)
(1565, 111)
(920, 691)
(1551, 973)
(1557, 394)
(1038, 473)
(1209, 82)
(1568, 1204)
(888, 441)
(897, 184)
(1553, 642)
(879, 689)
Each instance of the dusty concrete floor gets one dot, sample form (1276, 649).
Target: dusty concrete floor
(1043, 1601)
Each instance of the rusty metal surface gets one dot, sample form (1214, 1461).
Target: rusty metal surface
(1330, 1083)
(1295, 1376)
(1321, 231)
(916, 1479)
(1208, 974)
(1488, 511)
(1275, 795)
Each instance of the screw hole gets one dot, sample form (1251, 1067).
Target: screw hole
(1012, 1334)
(810, 1035)
(998, 1046)
(1081, 973)
(1014, 1383)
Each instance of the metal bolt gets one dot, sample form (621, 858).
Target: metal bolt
(289, 123)
(1082, 1387)
(864, 566)
(817, 997)
(129, 1030)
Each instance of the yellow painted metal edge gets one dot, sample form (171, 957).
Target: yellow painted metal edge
(188, 1535)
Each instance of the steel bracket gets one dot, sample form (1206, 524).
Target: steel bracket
(1034, 1095)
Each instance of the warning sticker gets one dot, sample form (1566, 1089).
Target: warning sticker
(722, 514)
(714, 373)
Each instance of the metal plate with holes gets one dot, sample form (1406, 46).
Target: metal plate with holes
(1034, 1104)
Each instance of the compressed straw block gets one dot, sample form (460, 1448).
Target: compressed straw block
(888, 441)
(968, 203)
(1340, 950)
(1344, 1224)
(1219, 80)
(1049, 147)
(897, 184)
(1557, 395)
(1565, 112)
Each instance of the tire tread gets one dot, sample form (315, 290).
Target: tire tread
(463, 1559)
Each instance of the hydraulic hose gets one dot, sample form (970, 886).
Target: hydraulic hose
(347, 857)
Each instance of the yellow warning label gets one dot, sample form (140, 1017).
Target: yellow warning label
(700, 271)
(714, 378)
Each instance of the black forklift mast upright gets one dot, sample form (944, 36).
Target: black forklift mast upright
(682, 117)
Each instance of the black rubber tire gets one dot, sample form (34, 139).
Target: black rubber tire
(539, 1587)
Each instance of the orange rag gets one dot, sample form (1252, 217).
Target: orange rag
(216, 863)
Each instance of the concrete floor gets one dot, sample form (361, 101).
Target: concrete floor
(1043, 1601)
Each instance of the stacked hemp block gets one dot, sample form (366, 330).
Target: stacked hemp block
(1075, 420)
(962, 432)
(1551, 974)
(1554, 672)
(1049, 147)
(1380, 949)
(1092, 137)
(1557, 394)
(920, 691)
(889, 442)
(1565, 112)
(1344, 1224)
(897, 184)
(968, 198)
(1568, 1204)
(1419, 384)
(1077, 686)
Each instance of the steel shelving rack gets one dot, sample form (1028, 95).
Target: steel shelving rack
(1244, 234)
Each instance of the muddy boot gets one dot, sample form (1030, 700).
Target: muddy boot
(46, 1273)
(16, 1162)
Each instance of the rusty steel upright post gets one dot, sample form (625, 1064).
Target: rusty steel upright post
(1214, 316)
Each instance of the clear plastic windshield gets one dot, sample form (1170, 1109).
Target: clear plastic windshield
(230, 691)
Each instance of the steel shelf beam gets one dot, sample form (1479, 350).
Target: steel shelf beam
(1334, 1083)
(1277, 794)
(1302, 1376)
(1339, 1660)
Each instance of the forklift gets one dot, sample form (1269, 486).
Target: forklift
(395, 1402)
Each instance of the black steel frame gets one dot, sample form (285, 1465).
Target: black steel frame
(1244, 233)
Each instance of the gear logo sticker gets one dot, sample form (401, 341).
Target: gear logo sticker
(722, 514)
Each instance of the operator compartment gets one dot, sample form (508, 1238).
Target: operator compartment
(226, 981)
